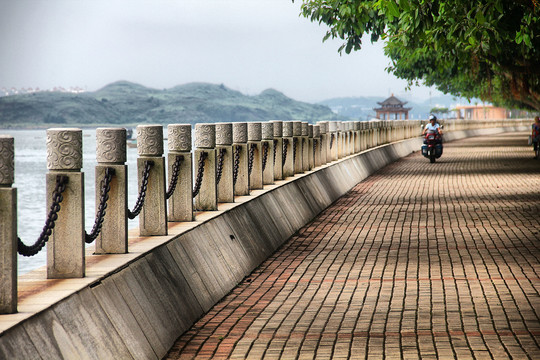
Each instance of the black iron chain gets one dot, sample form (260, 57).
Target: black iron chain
(142, 192)
(285, 146)
(331, 140)
(265, 154)
(294, 143)
(100, 215)
(236, 163)
(25, 250)
(174, 176)
(251, 155)
(200, 173)
(275, 148)
(219, 169)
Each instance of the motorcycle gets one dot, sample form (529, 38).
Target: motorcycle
(432, 148)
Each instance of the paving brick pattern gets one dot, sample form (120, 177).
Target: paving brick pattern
(420, 260)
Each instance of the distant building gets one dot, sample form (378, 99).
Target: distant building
(480, 112)
(392, 109)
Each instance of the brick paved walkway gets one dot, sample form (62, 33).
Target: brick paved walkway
(420, 260)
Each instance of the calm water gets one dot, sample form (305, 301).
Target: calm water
(30, 170)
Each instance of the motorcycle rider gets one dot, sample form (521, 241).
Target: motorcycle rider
(433, 126)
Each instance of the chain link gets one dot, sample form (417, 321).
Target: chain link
(265, 154)
(294, 144)
(251, 155)
(142, 192)
(331, 140)
(219, 169)
(236, 164)
(100, 215)
(25, 250)
(200, 173)
(275, 148)
(174, 176)
(285, 146)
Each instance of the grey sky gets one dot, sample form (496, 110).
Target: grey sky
(248, 45)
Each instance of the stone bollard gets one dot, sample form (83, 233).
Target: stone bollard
(332, 148)
(311, 148)
(241, 185)
(179, 144)
(65, 248)
(267, 130)
(205, 188)
(225, 158)
(340, 136)
(305, 146)
(298, 149)
(111, 153)
(288, 156)
(153, 217)
(8, 227)
(255, 153)
(317, 146)
(325, 140)
(278, 149)
(356, 137)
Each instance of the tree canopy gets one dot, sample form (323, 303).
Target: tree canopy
(489, 49)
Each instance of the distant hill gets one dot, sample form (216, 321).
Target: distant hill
(131, 104)
(362, 107)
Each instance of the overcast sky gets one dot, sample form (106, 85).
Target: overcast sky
(248, 45)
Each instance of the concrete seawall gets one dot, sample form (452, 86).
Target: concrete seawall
(138, 307)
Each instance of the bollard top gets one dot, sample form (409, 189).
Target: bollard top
(267, 131)
(7, 160)
(224, 133)
(239, 133)
(316, 131)
(254, 131)
(332, 126)
(305, 129)
(310, 130)
(150, 140)
(111, 145)
(287, 128)
(297, 128)
(64, 149)
(323, 126)
(179, 137)
(205, 136)
(278, 128)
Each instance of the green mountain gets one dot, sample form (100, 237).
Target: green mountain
(131, 104)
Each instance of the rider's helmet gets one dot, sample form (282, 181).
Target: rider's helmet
(432, 117)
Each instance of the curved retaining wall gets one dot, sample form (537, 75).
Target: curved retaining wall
(138, 309)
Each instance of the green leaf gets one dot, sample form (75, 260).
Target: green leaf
(527, 40)
(393, 9)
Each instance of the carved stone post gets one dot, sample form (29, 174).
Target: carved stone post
(241, 186)
(153, 217)
(278, 149)
(65, 248)
(288, 139)
(325, 140)
(179, 144)
(8, 227)
(305, 146)
(268, 152)
(225, 157)
(111, 153)
(357, 132)
(333, 142)
(255, 150)
(205, 143)
(317, 146)
(298, 150)
(311, 149)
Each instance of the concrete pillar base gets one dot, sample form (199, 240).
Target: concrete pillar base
(206, 200)
(181, 202)
(225, 188)
(8, 250)
(153, 217)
